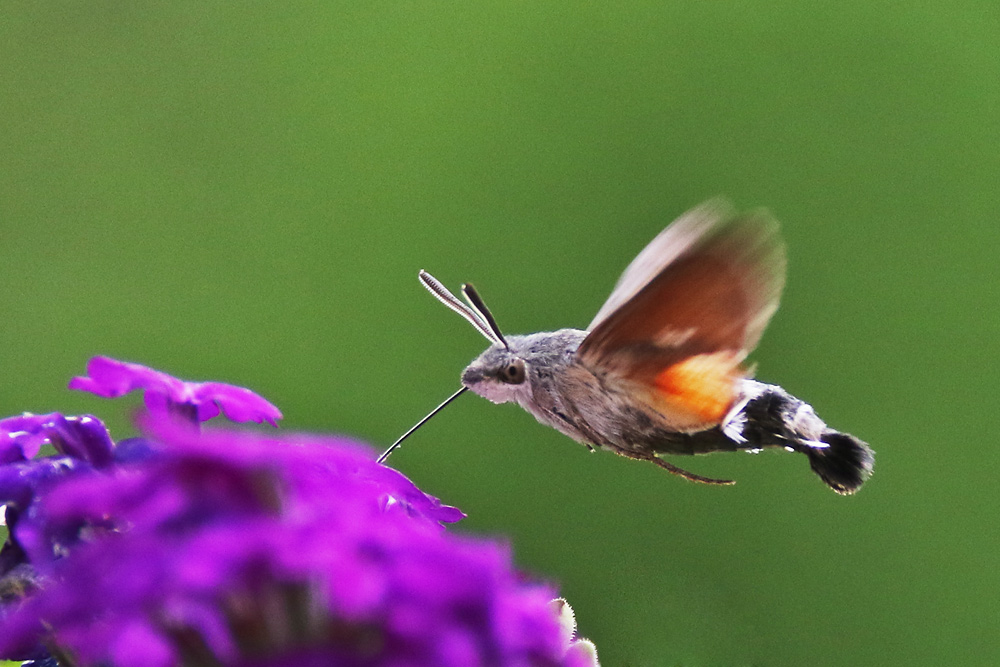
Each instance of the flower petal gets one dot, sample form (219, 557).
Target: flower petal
(164, 393)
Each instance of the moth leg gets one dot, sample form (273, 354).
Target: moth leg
(690, 476)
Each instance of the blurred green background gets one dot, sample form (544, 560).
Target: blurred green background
(246, 191)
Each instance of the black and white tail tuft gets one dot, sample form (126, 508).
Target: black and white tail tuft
(771, 417)
(844, 464)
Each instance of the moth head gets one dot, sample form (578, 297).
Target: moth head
(495, 368)
(498, 374)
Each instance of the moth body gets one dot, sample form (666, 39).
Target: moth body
(542, 373)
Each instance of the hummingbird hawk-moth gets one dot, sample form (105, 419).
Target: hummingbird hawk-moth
(661, 369)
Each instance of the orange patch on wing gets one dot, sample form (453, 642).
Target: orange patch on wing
(703, 386)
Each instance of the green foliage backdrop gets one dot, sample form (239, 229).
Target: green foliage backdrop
(245, 192)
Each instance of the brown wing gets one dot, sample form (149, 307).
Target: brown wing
(689, 309)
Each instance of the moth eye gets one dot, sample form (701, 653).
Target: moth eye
(513, 373)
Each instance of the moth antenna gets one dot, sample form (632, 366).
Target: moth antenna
(478, 305)
(442, 294)
(420, 423)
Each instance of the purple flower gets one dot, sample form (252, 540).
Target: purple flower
(84, 437)
(259, 551)
(164, 393)
(83, 444)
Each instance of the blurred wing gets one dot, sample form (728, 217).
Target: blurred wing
(689, 309)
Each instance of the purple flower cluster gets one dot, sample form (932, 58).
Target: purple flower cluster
(224, 547)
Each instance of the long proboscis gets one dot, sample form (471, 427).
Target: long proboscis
(420, 423)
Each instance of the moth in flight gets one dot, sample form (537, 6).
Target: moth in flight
(661, 368)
